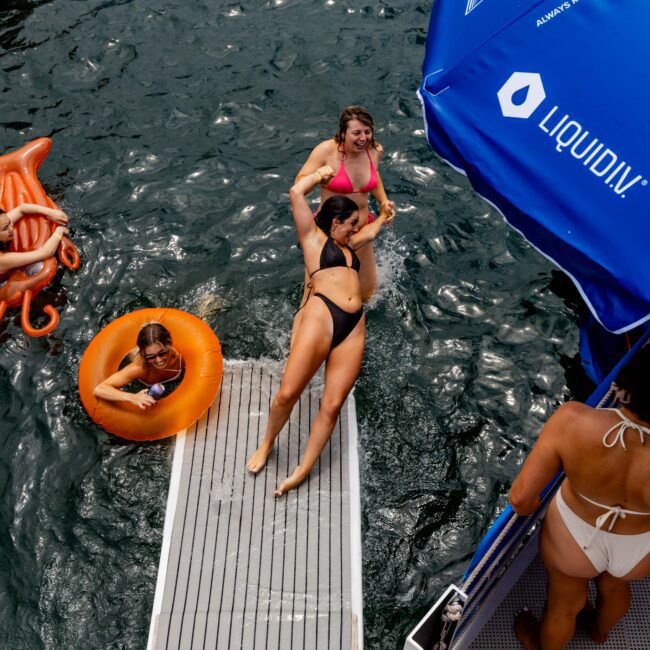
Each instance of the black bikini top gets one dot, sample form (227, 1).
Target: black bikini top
(331, 255)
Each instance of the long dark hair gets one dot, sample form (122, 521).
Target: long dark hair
(153, 333)
(336, 207)
(633, 378)
(354, 113)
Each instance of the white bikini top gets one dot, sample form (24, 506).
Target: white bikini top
(618, 430)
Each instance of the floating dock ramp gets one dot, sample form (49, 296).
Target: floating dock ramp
(241, 569)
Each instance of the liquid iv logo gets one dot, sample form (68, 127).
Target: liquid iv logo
(523, 93)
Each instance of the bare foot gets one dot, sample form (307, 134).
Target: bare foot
(587, 618)
(289, 483)
(527, 629)
(257, 461)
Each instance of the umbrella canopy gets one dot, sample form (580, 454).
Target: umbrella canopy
(545, 105)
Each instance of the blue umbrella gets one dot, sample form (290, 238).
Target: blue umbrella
(545, 105)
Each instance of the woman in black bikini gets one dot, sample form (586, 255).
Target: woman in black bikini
(329, 326)
(154, 360)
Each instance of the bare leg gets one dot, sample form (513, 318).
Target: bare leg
(569, 571)
(612, 603)
(565, 597)
(309, 349)
(341, 371)
(367, 272)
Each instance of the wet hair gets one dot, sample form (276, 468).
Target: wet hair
(153, 333)
(633, 378)
(354, 113)
(336, 207)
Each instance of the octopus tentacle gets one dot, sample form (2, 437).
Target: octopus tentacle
(24, 317)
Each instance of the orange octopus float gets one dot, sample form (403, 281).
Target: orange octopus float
(19, 184)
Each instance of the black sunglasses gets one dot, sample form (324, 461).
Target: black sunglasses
(159, 355)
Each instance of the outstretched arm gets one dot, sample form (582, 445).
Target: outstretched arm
(302, 215)
(109, 389)
(10, 261)
(379, 193)
(371, 230)
(58, 216)
(380, 196)
(542, 463)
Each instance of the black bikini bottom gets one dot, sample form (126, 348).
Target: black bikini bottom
(343, 321)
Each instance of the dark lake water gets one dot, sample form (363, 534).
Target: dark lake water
(177, 128)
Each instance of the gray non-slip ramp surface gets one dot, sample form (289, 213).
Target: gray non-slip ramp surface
(242, 569)
(632, 633)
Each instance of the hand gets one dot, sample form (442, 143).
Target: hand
(325, 172)
(142, 399)
(58, 216)
(387, 208)
(52, 244)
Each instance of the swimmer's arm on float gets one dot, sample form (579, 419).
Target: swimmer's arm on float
(10, 261)
(370, 231)
(109, 389)
(542, 464)
(58, 216)
(302, 215)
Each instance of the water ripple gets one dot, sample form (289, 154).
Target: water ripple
(178, 128)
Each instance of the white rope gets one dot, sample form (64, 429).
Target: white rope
(467, 584)
(453, 611)
(613, 388)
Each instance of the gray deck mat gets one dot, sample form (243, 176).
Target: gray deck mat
(246, 570)
(632, 633)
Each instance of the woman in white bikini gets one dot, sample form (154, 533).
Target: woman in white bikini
(154, 361)
(598, 525)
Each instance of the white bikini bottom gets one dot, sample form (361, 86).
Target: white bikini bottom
(611, 552)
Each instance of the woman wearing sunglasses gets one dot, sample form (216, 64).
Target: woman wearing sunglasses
(153, 361)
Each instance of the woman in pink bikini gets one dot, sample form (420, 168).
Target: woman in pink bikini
(354, 156)
(598, 525)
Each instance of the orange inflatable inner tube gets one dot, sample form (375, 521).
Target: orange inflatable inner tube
(201, 352)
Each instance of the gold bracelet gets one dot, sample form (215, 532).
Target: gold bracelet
(58, 235)
(319, 178)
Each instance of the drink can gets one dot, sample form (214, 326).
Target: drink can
(156, 390)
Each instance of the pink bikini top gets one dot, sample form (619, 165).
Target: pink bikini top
(341, 183)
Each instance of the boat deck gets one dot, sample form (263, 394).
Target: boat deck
(632, 633)
(241, 569)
